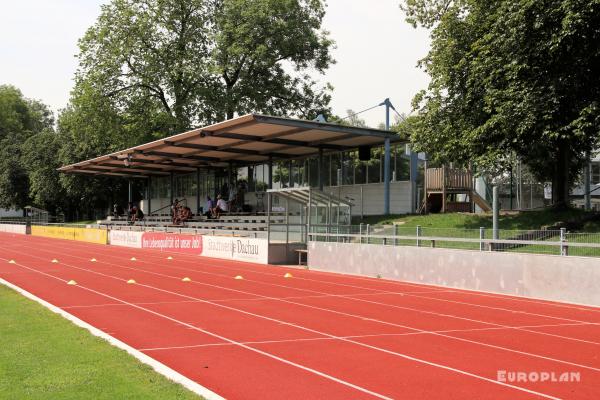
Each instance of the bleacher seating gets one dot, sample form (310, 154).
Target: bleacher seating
(238, 222)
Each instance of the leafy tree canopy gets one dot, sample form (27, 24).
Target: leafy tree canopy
(511, 76)
(182, 63)
(21, 119)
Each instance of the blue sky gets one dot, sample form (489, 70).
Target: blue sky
(376, 52)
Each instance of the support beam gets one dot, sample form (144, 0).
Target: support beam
(197, 191)
(181, 156)
(172, 187)
(129, 191)
(320, 169)
(149, 194)
(270, 172)
(224, 149)
(118, 172)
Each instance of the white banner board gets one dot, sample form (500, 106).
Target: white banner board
(236, 248)
(14, 228)
(125, 238)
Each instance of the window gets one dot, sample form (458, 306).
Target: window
(375, 167)
(347, 168)
(360, 171)
(402, 165)
(595, 174)
(281, 175)
(326, 170)
(313, 171)
(336, 169)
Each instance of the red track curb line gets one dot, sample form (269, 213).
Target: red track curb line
(156, 365)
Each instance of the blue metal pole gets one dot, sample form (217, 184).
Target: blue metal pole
(386, 162)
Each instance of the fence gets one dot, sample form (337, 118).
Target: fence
(556, 242)
(192, 231)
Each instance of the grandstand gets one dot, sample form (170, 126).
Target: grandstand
(278, 175)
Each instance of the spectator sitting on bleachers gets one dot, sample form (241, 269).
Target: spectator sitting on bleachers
(185, 214)
(175, 209)
(136, 213)
(220, 208)
(209, 207)
(117, 210)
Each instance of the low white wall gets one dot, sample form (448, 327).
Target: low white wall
(14, 228)
(372, 197)
(567, 279)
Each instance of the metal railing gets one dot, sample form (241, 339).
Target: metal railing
(555, 242)
(190, 231)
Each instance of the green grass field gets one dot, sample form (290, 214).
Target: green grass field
(512, 220)
(44, 356)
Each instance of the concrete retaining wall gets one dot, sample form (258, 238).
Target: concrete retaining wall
(566, 279)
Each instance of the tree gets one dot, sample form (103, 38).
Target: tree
(511, 77)
(20, 120)
(257, 45)
(187, 62)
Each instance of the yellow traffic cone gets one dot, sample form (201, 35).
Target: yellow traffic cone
(131, 281)
(186, 279)
(72, 282)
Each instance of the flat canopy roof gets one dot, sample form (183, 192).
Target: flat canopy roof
(247, 140)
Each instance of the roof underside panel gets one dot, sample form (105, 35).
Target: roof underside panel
(250, 139)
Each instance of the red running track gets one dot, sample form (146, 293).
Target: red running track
(315, 335)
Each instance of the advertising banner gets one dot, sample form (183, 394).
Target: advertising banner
(126, 238)
(92, 235)
(14, 228)
(236, 248)
(175, 242)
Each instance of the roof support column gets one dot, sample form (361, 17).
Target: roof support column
(149, 194)
(197, 191)
(320, 169)
(172, 186)
(386, 177)
(270, 172)
(129, 191)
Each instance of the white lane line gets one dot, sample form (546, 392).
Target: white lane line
(421, 311)
(379, 291)
(217, 336)
(156, 365)
(197, 260)
(433, 288)
(348, 315)
(299, 340)
(401, 355)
